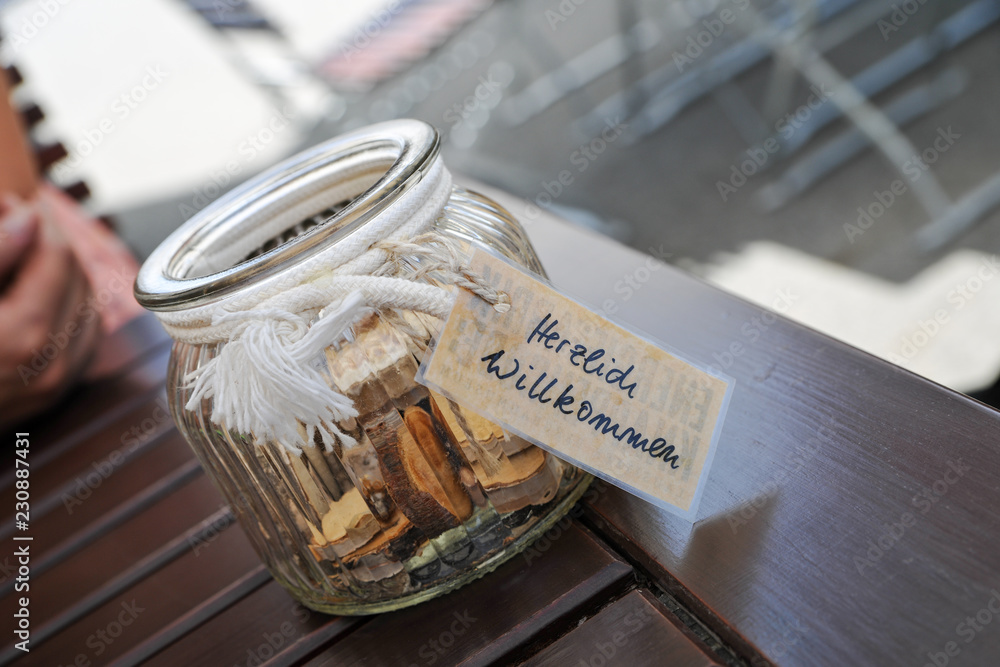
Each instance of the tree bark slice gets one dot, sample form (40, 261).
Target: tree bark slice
(410, 479)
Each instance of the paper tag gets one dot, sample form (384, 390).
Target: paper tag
(585, 389)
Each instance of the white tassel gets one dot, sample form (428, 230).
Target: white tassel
(262, 381)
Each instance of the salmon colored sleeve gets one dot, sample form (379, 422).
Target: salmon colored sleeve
(18, 172)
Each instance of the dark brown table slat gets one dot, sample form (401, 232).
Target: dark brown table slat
(88, 504)
(314, 639)
(128, 349)
(91, 408)
(31, 115)
(823, 450)
(135, 573)
(97, 457)
(99, 495)
(194, 618)
(267, 626)
(125, 511)
(47, 155)
(67, 582)
(495, 617)
(13, 75)
(128, 345)
(79, 191)
(634, 631)
(151, 604)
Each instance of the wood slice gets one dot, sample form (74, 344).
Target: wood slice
(410, 479)
(422, 428)
(397, 542)
(528, 479)
(483, 444)
(351, 532)
(349, 518)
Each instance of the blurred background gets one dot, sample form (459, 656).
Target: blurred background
(835, 160)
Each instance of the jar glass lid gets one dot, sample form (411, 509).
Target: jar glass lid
(216, 252)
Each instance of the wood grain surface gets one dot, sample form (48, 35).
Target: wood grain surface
(490, 620)
(852, 512)
(635, 630)
(850, 518)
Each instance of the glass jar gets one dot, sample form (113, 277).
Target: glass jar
(422, 495)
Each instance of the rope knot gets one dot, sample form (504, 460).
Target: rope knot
(269, 380)
(286, 325)
(439, 257)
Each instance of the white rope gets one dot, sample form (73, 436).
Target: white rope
(263, 383)
(303, 301)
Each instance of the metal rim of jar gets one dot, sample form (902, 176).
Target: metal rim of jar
(162, 285)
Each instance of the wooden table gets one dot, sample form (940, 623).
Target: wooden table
(834, 529)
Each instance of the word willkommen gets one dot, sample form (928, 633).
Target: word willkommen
(589, 362)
